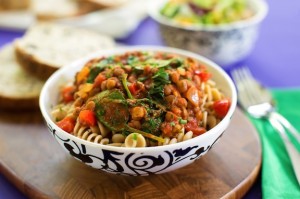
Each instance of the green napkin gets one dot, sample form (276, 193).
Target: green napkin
(278, 179)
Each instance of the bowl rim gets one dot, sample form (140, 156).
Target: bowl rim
(260, 5)
(119, 50)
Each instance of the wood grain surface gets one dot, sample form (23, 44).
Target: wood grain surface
(32, 160)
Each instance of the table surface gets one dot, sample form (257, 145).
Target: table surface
(274, 60)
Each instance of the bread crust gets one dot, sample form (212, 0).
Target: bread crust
(18, 104)
(19, 90)
(32, 65)
(14, 4)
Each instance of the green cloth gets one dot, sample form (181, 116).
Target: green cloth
(278, 179)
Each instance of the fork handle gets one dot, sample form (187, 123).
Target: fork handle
(291, 150)
(285, 123)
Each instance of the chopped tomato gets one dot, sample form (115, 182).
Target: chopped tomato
(204, 75)
(67, 124)
(99, 79)
(87, 118)
(166, 129)
(133, 88)
(68, 93)
(221, 107)
(193, 126)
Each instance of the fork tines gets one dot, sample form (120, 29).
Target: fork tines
(250, 91)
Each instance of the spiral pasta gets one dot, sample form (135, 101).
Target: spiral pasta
(92, 134)
(182, 136)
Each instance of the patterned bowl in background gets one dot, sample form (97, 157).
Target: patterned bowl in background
(135, 161)
(225, 44)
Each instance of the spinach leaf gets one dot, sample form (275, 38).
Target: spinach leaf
(158, 63)
(116, 95)
(93, 74)
(176, 62)
(132, 60)
(111, 109)
(97, 68)
(160, 79)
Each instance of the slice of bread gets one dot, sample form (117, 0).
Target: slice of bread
(19, 90)
(14, 4)
(47, 47)
(56, 9)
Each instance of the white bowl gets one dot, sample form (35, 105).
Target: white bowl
(135, 161)
(225, 44)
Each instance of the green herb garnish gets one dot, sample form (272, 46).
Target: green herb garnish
(152, 125)
(97, 68)
(160, 79)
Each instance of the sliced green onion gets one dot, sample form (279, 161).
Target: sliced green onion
(181, 121)
(134, 136)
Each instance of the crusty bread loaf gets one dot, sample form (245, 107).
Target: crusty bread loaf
(14, 4)
(47, 47)
(55, 9)
(19, 90)
(104, 3)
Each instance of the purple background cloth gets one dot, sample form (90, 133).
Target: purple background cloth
(274, 60)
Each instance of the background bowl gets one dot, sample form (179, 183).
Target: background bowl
(224, 44)
(134, 161)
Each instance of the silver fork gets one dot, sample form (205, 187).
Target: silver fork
(258, 102)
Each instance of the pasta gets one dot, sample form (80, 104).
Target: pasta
(182, 136)
(96, 134)
(135, 140)
(140, 99)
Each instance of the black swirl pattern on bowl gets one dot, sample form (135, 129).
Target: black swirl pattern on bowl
(132, 164)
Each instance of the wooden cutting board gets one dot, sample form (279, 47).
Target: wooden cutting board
(32, 160)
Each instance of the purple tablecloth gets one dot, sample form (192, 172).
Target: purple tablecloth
(274, 60)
